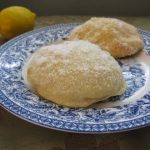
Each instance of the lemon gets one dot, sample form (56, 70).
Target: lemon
(15, 20)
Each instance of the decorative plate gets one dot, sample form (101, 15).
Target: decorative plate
(121, 113)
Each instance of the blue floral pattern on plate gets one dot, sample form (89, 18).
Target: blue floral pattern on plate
(134, 76)
(19, 100)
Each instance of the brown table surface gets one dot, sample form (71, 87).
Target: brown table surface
(17, 134)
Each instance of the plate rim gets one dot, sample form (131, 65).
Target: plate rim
(73, 131)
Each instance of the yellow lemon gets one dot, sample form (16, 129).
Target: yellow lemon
(15, 20)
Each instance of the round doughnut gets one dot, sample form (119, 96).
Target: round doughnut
(74, 74)
(113, 35)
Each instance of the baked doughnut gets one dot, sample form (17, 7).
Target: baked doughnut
(113, 35)
(74, 74)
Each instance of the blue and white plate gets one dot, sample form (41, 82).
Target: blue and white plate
(121, 113)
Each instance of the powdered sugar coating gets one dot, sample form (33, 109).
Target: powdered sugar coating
(118, 37)
(75, 73)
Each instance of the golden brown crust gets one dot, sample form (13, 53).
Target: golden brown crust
(115, 36)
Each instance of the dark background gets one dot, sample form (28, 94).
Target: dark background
(84, 7)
